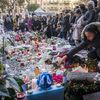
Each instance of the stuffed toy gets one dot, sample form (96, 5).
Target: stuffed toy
(44, 80)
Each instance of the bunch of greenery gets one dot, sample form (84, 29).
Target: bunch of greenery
(91, 64)
(7, 84)
(80, 88)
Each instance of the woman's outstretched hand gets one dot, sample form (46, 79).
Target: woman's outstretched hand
(62, 60)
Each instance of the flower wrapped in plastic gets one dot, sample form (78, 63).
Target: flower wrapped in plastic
(58, 76)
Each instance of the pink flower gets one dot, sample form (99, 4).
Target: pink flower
(17, 38)
(58, 78)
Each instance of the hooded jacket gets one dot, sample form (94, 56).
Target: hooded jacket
(85, 43)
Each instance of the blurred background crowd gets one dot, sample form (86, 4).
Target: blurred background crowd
(68, 24)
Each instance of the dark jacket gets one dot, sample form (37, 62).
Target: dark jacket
(8, 23)
(97, 14)
(85, 43)
(66, 23)
(83, 11)
(89, 17)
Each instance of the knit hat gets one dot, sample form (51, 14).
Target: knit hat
(90, 4)
(95, 2)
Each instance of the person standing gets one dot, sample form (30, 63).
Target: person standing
(77, 27)
(8, 23)
(65, 25)
(89, 17)
(98, 12)
(83, 9)
(21, 24)
(26, 22)
(1, 24)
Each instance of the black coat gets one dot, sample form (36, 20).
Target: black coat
(83, 11)
(89, 17)
(85, 43)
(8, 24)
(97, 14)
(66, 23)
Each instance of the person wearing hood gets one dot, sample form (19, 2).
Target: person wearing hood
(90, 14)
(95, 2)
(91, 39)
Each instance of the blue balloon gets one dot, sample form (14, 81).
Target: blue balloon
(45, 80)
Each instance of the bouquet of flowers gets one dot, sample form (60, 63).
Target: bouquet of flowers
(80, 88)
(91, 64)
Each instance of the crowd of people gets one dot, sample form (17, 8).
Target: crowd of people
(68, 24)
(80, 26)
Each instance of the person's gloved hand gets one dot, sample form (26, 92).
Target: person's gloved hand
(62, 60)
